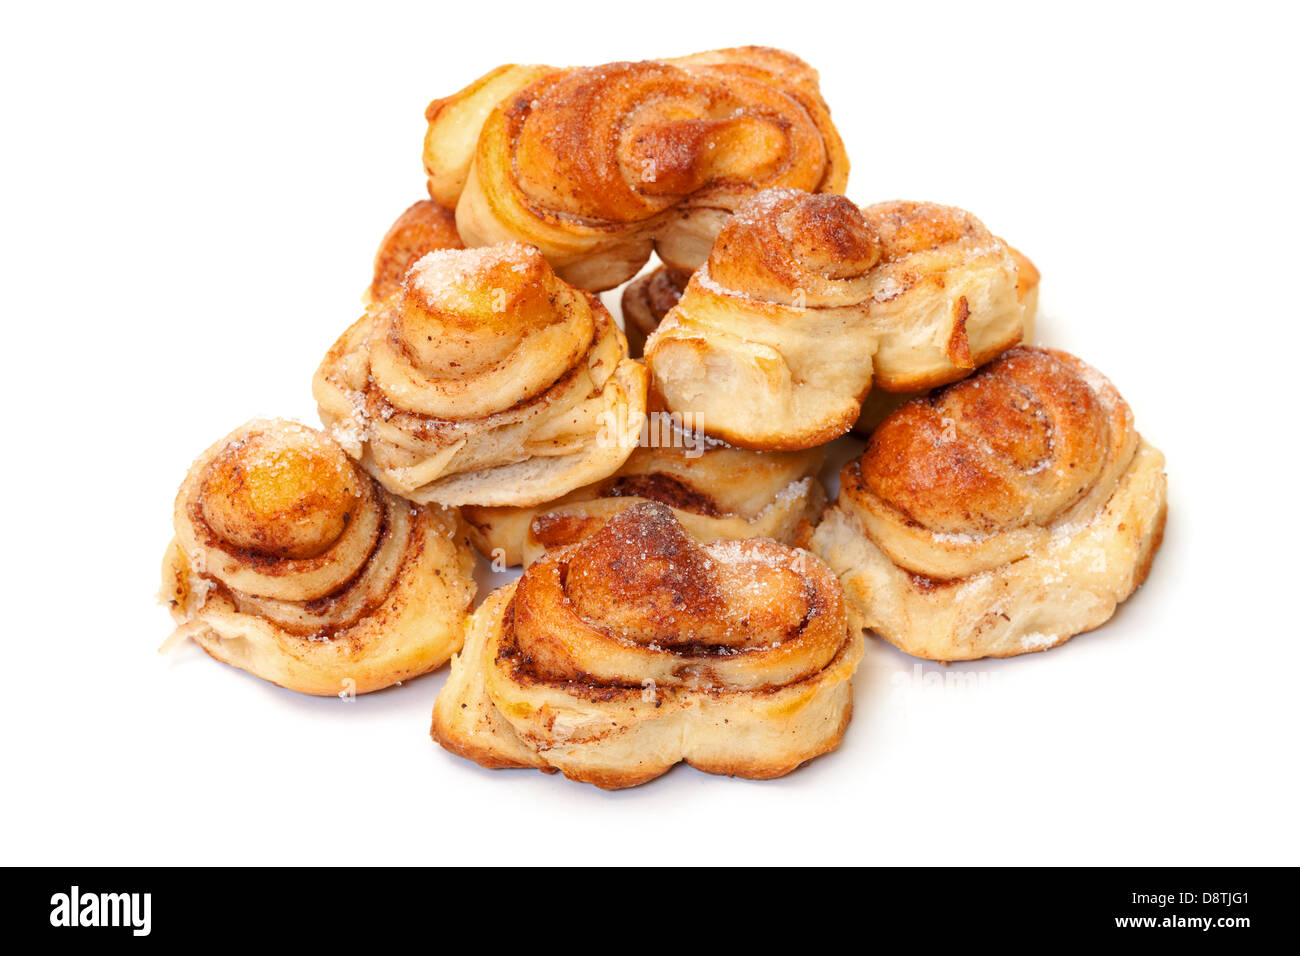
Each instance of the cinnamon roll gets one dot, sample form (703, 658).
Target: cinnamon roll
(597, 166)
(293, 564)
(715, 491)
(421, 229)
(613, 659)
(1000, 515)
(807, 301)
(484, 380)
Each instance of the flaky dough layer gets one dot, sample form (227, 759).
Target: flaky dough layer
(808, 302)
(291, 563)
(998, 516)
(597, 166)
(614, 659)
(484, 380)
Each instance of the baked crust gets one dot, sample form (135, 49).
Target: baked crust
(597, 166)
(808, 302)
(483, 380)
(716, 492)
(424, 227)
(879, 403)
(291, 563)
(1000, 515)
(614, 659)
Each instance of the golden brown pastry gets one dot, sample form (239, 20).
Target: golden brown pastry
(613, 659)
(484, 380)
(715, 491)
(422, 228)
(648, 298)
(293, 564)
(879, 403)
(597, 166)
(1000, 515)
(807, 301)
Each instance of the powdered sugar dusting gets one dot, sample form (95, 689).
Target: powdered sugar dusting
(449, 279)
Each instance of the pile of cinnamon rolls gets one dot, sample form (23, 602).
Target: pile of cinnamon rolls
(688, 593)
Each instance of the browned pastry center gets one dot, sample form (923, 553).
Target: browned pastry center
(614, 658)
(790, 247)
(286, 493)
(1000, 515)
(472, 311)
(993, 452)
(642, 582)
(293, 564)
(484, 380)
(597, 166)
(642, 577)
(676, 133)
(909, 227)
(639, 573)
(830, 236)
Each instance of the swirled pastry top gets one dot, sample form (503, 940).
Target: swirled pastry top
(290, 562)
(806, 301)
(608, 658)
(974, 475)
(1000, 515)
(595, 165)
(484, 379)
(640, 596)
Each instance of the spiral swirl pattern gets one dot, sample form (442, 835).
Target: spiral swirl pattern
(483, 380)
(614, 659)
(290, 562)
(596, 166)
(807, 301)
(1000, 514)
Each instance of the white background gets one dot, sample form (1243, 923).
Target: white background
(190, 204)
